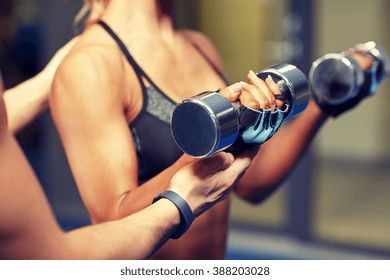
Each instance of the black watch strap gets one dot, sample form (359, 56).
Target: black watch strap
(186, 215)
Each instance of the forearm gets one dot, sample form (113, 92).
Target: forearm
(26, 101)
(278, 157)
(141, 197)
(134, 237)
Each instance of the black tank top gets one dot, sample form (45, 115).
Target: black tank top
(155, 147)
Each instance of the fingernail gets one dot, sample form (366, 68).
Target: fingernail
(236, 88)
(252, 74)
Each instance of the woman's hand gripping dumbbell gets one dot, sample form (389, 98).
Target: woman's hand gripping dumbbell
(339, 81)
(208, 122)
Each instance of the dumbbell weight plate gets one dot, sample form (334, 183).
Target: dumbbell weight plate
(204, 124)
(335, 78)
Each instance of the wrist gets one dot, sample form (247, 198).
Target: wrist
(317, 111)
(186, 214)
(186, 159)
(170, 213)
(44, 82)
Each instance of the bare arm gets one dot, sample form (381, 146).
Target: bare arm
(27, 225)
(27, 100)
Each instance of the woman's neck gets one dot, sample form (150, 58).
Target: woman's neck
(144, 16)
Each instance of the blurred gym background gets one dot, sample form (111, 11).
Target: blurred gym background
(336, 203)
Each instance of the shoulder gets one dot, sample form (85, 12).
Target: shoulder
(88, 68)
(90, 62)
(206, 45)
(90, 76)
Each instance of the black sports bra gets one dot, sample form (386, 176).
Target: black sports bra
(155, 147)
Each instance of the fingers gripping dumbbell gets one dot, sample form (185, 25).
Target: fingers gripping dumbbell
(339, 81)
(207, 123)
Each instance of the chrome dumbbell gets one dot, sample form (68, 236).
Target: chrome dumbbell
(340, 80)
(207, 123)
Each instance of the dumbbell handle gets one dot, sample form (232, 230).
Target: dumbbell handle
(292, 84)
(293, 87)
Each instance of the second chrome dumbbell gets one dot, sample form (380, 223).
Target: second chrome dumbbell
(339, 80)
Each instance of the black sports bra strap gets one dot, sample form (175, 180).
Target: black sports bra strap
(127, 54)
(120, 44)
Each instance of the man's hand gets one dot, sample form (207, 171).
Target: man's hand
(207, 181)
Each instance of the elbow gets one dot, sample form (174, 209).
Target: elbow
(98, 217)
(100, 214)
(256, 196)
(115, 210)
(255, 199)
(102, 218)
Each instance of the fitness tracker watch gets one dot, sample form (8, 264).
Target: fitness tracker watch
(186, 215)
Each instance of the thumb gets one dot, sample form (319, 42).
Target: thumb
(242, 162)
(215, 163)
